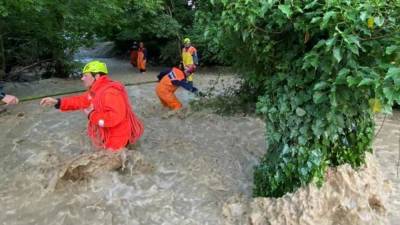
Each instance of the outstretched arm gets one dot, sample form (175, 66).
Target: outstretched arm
(185, 85)
(68, 103)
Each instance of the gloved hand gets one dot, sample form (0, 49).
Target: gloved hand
(195, 90)
(199, 94)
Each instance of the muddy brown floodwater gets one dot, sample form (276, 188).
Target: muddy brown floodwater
(186, 167)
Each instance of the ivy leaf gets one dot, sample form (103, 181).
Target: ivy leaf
(310, 60)
(318, 128)
(318, 97)
(245, 34)
(320, 86)
(353, 39)
(388, 94)
(312, 4)
(379, 21)
(390, 49)
(286, 10)
(330, 42)
(302, 140)
(337, 54)
(300, 112)
(333, 100)
(351, 81)
(366, 82)
(353, 49)
(363, 16)
(327, 17)
(394, 73)
(315, 19)
(342, 76)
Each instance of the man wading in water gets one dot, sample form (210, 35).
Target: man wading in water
(112, 123)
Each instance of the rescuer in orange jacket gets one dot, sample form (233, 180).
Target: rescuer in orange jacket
(169, 81)
(112, 123)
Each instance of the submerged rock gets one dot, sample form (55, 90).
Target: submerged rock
(89, 165)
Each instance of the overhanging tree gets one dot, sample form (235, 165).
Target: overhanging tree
(323, 67)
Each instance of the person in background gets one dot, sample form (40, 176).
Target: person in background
(134, 54)
(169, 81)
(142, 58)
(189, 58)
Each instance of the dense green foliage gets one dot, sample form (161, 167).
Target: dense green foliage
(37, 30)
(319, 65)
(160, 27)
(33, 31)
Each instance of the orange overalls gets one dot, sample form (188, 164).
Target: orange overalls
(165, 90)
(141, 59)
(134, 56)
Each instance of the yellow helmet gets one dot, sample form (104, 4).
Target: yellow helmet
(186, 41)
(95, 67)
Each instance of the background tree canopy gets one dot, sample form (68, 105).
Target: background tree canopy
(33, 31)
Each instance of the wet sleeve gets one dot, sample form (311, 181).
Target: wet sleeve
(114, 110)
(195, 58)
(74, 102)
(184, 84)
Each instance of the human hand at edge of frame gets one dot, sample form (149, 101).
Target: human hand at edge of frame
(10, 100)
(48, 101)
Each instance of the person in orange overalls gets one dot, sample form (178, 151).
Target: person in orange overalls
(134, 54)
(169, 81)
(142, 58)
(112, 122)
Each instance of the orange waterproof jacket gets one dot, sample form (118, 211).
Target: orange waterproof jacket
(112, 124)
(175, 74)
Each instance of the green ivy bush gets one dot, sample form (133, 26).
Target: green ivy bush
(320, 66)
